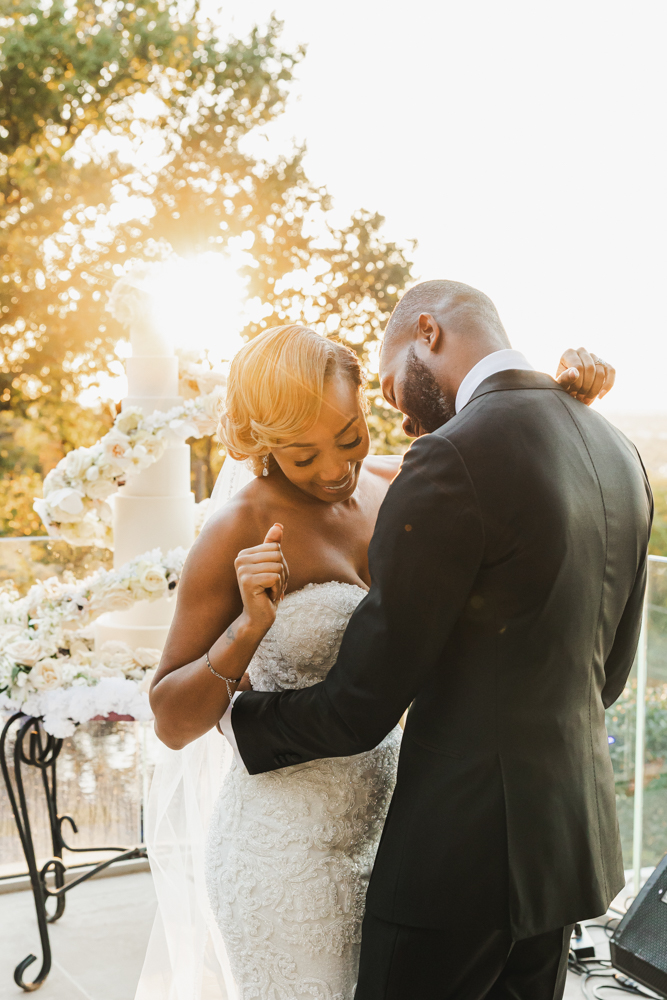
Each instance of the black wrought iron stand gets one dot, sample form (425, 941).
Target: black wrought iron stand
(34, 747)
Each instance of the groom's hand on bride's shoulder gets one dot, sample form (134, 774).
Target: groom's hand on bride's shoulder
(585, 376)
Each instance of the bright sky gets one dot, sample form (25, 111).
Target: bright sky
(522, 144)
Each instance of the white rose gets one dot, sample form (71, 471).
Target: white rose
(115, 451)
(212, 402)
(113, 598)
(104, 537)
(154, 444)
(46, 675)
(26, 651)
(139, 458)
(145, 657)
(100, 488)
(77, 644)
(128, 420)
(55, 479)
(153, 579)
(115, 647)
(104, 512)
(8, 633)
(101, 671)
(43, 511)
(80, 533)
(66, 505)
(77, 463)
(115, 656)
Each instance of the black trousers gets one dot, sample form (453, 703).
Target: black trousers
(413, 963)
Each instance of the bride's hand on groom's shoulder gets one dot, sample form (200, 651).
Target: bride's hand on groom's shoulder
(585, 376)
(262, 575)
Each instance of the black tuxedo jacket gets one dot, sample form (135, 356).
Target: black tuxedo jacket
(508, 570)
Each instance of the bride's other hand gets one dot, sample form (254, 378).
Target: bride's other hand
(262, 575)
(585, 376)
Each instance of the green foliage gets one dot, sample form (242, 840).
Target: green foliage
(77, 80)
(73, 72)
(658, 546)
(33, 439)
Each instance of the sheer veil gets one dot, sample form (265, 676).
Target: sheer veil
(186, 957)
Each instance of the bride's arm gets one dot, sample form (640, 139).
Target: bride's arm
(186, 696)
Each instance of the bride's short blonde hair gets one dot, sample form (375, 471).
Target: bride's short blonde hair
(276, 386)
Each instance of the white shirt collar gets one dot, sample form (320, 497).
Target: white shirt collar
(499, 361)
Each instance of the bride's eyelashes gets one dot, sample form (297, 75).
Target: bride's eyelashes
(347, 447)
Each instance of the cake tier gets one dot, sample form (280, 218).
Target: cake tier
(141, 523)
(168, 477)
(149, 404)
(142, 613)
(154, 377)
(150, 636)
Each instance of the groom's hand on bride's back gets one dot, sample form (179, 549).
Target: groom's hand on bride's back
(585, 376)
(262, 574)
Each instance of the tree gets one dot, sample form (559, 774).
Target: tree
(84, 85)
(658, 546)
(71, 74)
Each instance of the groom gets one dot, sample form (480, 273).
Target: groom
(508, 569)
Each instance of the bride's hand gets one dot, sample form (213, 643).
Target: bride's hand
(585, 376)
(262, 576)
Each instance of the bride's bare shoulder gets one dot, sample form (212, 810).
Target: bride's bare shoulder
(240, 519)
(385, 466)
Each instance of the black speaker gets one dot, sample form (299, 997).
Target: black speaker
(639, 943)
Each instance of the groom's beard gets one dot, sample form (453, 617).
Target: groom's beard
(424, 403)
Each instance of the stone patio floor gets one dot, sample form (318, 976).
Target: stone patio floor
(98, 944)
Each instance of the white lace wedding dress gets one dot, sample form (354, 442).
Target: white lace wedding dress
(290, 852)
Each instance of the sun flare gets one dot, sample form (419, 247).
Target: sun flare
(199, 304)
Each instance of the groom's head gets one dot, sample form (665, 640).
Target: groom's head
(437, 333)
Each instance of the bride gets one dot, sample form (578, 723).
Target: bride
(289, 853)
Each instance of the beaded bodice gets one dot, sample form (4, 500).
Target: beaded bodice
(303, 643)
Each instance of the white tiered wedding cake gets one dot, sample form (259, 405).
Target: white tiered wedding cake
(155, 508)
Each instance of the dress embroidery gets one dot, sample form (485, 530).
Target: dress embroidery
(290, 852)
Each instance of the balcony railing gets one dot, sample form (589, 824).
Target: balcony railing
(647, 691)
(105, 768)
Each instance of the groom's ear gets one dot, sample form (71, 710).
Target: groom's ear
(429, 333)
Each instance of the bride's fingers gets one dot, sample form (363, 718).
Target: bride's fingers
(261, 554)
(588, 375)
(570, 361)
(275, 533)
(609, 379)
(568, 378)
(265, 581)
(594, 389)
(249, 574)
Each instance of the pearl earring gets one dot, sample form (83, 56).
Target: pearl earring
(265, 463)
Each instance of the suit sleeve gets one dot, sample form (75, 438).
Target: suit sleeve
(622, 654)
(424, 557)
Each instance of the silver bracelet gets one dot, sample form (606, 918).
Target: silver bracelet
(227, 680)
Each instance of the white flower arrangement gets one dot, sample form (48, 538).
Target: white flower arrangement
(75, 503)
(47, 652)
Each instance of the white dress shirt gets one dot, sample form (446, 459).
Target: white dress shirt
(228, 731)
(499, 361)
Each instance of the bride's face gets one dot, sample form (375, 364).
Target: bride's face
(326, 461)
